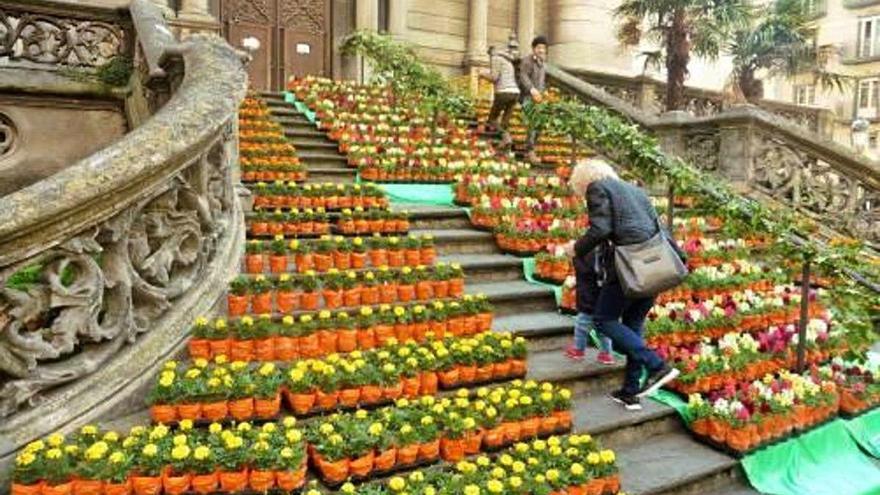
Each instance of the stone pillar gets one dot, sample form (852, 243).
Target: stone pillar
(366, 17)
(397, 17)
(195, 16)
(736, 153)
(582, 35)
(525, 24)
(478, 29)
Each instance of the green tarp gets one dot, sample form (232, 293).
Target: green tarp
(300, 106)
(423, 194)
(825, 461)
(865, 430)
(674, 401)
(529, 271)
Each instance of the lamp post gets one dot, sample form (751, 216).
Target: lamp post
(859, 134)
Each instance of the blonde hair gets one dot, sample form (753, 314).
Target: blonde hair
(590, 170)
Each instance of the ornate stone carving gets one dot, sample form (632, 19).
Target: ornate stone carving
(97, 291)
(702, 149)
(303, 15)
(816, 187)
(47, 39)
(255, 11)
(8, 135)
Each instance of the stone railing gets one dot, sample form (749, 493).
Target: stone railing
(762, 154)
(104, 264)
(648, 95)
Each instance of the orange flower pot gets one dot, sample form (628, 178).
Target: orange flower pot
(456, 287)
(323, 262)
(301, 403)
(332, 298)
(350, 397)
(452, 450)
(264, 349)
(163, 413)
(205, 483)
(287, 301)
(261, 303)
(412, 386)
(473, 442)
(351, 297)
(237, 305)
(429, 383)
(123, 488)
(215, 411)
(326, 400)
(334, 472)
(403, 332)
(20, 489)
(241, 350)
(362, 466)
(199, 348)
(429, 451)
(286, 348)
(517, 367)
(383, 333)
(530, 427)
(88, 487)
(220, 347)
(564, 418)
(309, 301)
(371, 394)
(501, 370)
(485, 373)
(143, 485)
(310, 346)
(388, 293)
(189, 411)
(385, 460)
(512, 431)
(233, 481)
(440, 289)
(494, 438)
(358, 260)
(253, 263)
(392, 392)
(261, 481)
(328, 342)
(241, 409)
(407, 455)
(467, 374)
(267, 408)
(370, 295)
(291, 480)
(449, 378)
(346, 340)
(278, 264)
(396, 258)
(427, 256)
(175, 485)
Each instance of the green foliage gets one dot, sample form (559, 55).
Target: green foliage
(115, 72)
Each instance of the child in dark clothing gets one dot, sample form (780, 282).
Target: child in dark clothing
(587, 287)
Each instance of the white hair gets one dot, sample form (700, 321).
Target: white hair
(591, 170)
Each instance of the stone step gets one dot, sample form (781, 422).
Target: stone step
(674, 464)
(434, 217)
(322, 157)
(486, 267)
(313, 144)
(286, 115)
(514, 297)
(583, 377)
(318, 174)
(614, 426)
(460, 241)
(272, 95)
(738, 486)
(546, 330)
(303, 132)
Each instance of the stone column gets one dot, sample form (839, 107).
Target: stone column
(195, 16)
(397, 18)
(366, 17)
(525, 24)
(478, 28)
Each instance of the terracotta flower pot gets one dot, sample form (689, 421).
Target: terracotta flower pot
(366, 338)
(253, 263)
(241, 409)
(232, 482)
(21, 489)
(309, 301)
(385, 460)
(452, 450)
(412, 386)
(473, 442)
(278, 264)
(237, 305)
(301, 403)
(346, 340)
(392, 392)
(287, 301)
(143, 485)
(176, 484)
(362, 466)
(334, 472)
(291, 480)
(310, 346)
(286, 348)
(189, 411)
(241, 350)
(205, 483)
(530, 427)
(467, 374)
(429, 383)
(267, 408)
(332, 298)
(371, 394)
(199, 348)
(449, 378)
(215, 411)
(261, 303)
(220, 347)
(264, 349)
(163, 413)
(406, 293)
(351, 297)
(440, 289)
(123, 488)
(326, 400)
(407, 455)
(88, 487)
(261, 481)
(350, 397)
(564, 418)
(328, 342)
(429, 451)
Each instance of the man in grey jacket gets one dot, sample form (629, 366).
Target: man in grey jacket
(506, 89)
(532, 82)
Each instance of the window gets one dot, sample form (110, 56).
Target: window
(869, 37)
(805, 94)
(869, 93)
(383, 16)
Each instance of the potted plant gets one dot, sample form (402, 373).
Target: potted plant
(278, 259)
(253, 260)
(267, 395)
(333, 289)
(309, 283)
(238, 299)
(261, 295)
(358, 253)
(378, 251)
(303, 258)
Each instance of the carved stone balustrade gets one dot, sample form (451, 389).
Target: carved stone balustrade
(648, 95)
(104, 265)
(763, 154)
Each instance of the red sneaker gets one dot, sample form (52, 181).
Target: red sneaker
(606, 358)
(574, 354)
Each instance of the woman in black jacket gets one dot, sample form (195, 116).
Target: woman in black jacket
(620, 214)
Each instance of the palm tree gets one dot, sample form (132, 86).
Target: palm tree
(780, 43)
(680, 27)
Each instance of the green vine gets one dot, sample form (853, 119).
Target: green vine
(116, 72)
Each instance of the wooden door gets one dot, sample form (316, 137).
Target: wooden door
(294, 37)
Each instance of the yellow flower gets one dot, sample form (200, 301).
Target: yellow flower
(25, 459)
(150, 450)
(55, 439)
(495, 486)
(607, 456)
(577, 469)
(286, 453)
(201, 453)
(158, 432)
(397, 483)
(593, 458)
(180, 452)
(117, 457)
(472, 490)
(215, 428)
(267, 369)
(179, 440)
(34, 446)
(348, 487)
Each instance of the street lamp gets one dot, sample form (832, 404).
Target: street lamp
(859, 130)
(251, 44)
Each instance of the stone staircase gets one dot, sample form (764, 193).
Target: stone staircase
(655, 453)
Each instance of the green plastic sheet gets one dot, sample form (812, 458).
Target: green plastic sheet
(529, 271)
(825, 461)
(670, 399)
(865, 430)
(422, 194)
(300, 106)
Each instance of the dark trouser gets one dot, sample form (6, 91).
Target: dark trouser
(532, 137)
(502, 108)
(623, 320)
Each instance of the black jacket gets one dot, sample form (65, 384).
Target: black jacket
(587, 273)
(621, 213)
